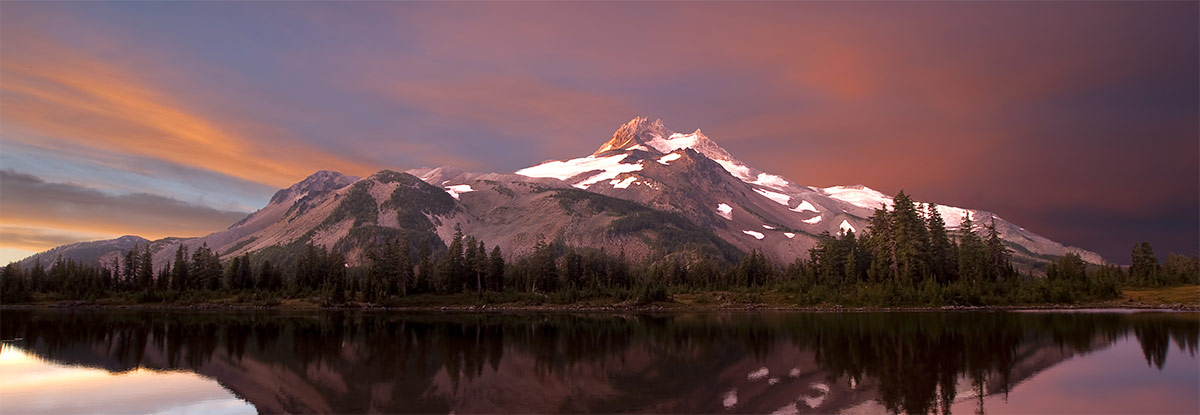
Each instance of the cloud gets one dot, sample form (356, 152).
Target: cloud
(40, 239)
(70, 209)
(67, 99)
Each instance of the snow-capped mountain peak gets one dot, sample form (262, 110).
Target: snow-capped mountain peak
(630, 165)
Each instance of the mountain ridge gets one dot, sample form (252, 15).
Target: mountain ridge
(644, 162)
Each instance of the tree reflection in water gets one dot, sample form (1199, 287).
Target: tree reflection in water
(696, 363)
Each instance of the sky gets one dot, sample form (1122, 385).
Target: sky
(1079, 121)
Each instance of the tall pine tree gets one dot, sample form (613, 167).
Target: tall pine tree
(999, 257)
(971, 252)
(944, 264)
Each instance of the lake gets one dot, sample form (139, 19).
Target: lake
(113, 362)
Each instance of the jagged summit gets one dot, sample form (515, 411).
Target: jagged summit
(642, 134)
(638, 131)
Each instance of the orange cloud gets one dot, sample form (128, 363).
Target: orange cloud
(63, 98)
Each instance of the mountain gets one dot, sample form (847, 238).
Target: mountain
(105, 250)
(689, 173)
(648, 192)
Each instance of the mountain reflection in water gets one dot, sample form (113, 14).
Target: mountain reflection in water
(390, 362)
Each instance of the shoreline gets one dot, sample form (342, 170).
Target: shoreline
(1111, 305)
(1180, 298)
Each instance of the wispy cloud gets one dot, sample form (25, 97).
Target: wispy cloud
(28, 239)
(70, 209)
(69, 100)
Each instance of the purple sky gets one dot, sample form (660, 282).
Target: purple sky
(1077, 120)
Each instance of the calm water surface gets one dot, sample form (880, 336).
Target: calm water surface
(113, 362)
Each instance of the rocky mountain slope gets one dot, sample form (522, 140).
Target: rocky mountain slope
(648, 191)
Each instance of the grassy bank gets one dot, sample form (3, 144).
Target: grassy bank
(1162, 297)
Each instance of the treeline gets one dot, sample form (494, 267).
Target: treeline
(908, 257)
(905, 257)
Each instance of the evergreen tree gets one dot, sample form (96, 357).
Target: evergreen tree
(162, 278)
(496, 270)
(404, 265)
(618, 271)
(216, 272)
(827, 260)
(235, 270)
(911, 241)
(246, 278)
(944, 264)
(1069, 268)
(37, 276)
(425, 272)
(573, 268)
(179, 274)
(382, 271)
(145, 270)
(1181, 269)
(880, 243)
(57, 275)
(999, 257)
(310, 273)
(268, 278)
(481, 266)
(857, 259)
(205, 272)
(129, 274)
(1145, 268)
(449, 275)
(543, 272)
(335, 271)
(470, 263)
(754, 269)
(13, 287)
(971, 252)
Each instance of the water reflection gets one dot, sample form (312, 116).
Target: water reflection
(30, 385)
(692, 363)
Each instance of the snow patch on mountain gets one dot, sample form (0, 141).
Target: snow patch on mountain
(725, 211)
(458, 189)
(769, 227)
(669, 158)
(860, 196)
(771, 180)
(756, 235)
(954, 216)
(813, 219)
(846, 227)
(609, 167)
(866, 197)
(789, 235)
(675, 141)
(779, 198)
(737, 170)
(623, 184)
(805, 207)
